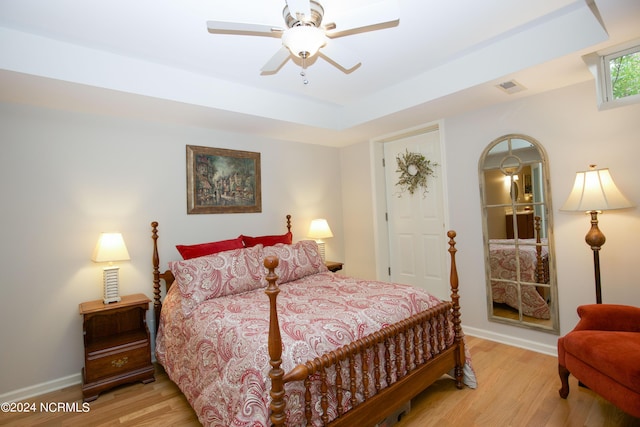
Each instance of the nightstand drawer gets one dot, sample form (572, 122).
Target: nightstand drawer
(113, 362)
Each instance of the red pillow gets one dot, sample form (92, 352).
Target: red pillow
(267, 240)
(202, 249)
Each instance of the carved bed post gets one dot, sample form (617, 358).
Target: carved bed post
(455, 299)
(156, 276)
(289, 223)
(276, 373)
(540, 270)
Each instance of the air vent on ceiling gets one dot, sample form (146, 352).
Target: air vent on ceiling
(510, 87)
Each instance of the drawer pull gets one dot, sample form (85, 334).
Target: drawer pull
(119, 363)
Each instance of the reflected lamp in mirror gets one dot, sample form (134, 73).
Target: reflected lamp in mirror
(318, 230)
(110, 248)
(594, 192)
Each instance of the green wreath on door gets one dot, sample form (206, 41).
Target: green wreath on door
(414, 168)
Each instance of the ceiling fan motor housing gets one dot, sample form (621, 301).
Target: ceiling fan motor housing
(317, 12)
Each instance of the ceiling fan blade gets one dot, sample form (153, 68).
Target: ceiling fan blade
(299, 7)
(339, 56)
(243, 28)
(373, 16)
(276, 61)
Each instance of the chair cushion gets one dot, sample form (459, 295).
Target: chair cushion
(614, 354)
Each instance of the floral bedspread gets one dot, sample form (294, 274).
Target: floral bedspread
(503, 266)
(218, 355)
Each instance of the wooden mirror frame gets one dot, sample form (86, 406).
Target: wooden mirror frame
(531, 243)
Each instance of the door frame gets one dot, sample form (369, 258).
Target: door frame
(381, 230)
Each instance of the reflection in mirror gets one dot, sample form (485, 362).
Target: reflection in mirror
(519, 261)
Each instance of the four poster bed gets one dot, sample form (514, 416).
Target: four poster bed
(533, 267)
(322, 349)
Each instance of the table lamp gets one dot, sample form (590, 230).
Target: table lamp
(318, 230)
(110, 248)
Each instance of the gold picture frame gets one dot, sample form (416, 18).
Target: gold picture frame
(223, 181)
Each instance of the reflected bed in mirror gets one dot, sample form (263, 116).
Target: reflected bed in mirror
(519, 261)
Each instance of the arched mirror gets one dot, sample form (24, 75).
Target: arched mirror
(517, 225)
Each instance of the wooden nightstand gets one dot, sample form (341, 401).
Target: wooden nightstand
(117, 348)
(333, 265)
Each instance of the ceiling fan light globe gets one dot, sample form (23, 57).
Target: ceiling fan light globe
(304, 41)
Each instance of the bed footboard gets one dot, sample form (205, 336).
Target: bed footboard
(402, 359)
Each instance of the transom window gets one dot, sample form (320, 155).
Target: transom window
(617, 72)
(623, 73)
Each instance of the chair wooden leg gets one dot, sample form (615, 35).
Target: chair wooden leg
(564, 379)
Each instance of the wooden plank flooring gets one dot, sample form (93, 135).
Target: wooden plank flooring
(516, 388)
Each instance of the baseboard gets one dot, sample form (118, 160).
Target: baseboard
(513, 341)
(46, 387)
(42, 388)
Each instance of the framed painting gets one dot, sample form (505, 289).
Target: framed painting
(222, 181)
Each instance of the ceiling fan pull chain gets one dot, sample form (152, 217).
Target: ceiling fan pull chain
(303, 72)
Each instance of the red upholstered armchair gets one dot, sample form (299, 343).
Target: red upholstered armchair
(603, 353)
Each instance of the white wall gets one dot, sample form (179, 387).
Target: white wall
(65, 177)
(574, 134)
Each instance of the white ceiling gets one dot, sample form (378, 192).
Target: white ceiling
(155, 60)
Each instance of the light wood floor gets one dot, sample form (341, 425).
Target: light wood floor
(515, 388)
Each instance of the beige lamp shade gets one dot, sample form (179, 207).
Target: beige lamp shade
(594, 190)
(110, 248)
(319, 229)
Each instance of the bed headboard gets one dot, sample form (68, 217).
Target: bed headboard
(167, 276)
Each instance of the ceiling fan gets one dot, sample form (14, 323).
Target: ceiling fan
(304, 35)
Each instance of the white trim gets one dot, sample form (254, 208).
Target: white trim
(512, 341)
(46, 387)
(42, 388)
(380, 236)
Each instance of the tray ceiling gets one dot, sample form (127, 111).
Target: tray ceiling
(155, 60)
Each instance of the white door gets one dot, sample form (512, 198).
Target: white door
(417, 243)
